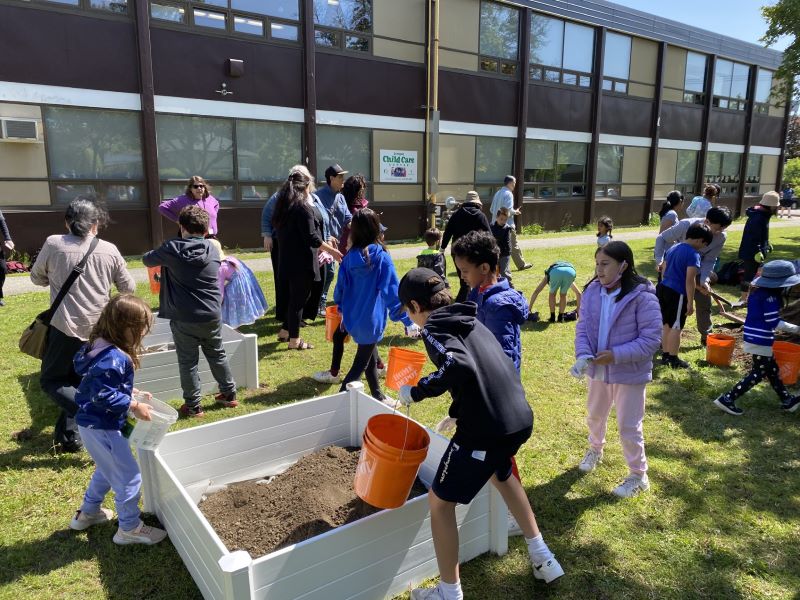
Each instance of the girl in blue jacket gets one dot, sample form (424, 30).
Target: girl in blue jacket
(104, 399)
(366, 293)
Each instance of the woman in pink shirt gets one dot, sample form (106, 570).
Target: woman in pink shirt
(197, 192)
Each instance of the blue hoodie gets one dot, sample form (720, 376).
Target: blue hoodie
(366, 291)
(502, 309)
(104, 395)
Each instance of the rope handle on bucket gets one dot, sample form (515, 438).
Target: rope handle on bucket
(394, 410)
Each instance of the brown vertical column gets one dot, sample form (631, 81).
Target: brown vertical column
(711, 66)
(597, 89)
(522, 99)
(782, 157)
(149, 145)
(309, 91)
(655, 129)
(748, 136)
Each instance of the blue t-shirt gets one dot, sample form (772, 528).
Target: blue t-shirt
(679, 258)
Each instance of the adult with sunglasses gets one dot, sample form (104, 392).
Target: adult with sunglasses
(197, 192)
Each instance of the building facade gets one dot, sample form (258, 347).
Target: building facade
(597, 109)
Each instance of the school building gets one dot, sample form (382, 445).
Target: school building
(596, 108)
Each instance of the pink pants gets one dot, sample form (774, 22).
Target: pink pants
(629, 402)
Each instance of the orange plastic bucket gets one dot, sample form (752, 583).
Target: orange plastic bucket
(332, 321)
(392, 449)
(405, 367)
(787, 355)
(154, 275)
(719, 349)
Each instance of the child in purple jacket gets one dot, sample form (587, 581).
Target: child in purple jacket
(618, 332)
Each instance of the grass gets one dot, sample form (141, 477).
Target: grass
(722, 519)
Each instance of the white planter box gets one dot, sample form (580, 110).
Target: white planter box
(158, 373)
(376, 557)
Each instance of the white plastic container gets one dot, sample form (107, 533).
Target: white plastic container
(148, 434)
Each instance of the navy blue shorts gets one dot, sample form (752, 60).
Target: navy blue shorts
(464, 471)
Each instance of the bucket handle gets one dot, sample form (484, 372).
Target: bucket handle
(408, 412)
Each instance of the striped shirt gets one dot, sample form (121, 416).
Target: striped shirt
(763, 307)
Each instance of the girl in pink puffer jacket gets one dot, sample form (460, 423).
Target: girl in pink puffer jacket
(618, 332)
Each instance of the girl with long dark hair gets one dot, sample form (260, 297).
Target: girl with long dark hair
(668, 213)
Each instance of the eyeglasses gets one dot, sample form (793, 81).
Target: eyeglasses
(198, 186)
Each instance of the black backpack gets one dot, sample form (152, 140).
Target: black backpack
(730, 273)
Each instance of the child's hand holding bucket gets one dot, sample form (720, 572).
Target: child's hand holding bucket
(141, 411)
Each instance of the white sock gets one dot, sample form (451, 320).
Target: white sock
(538, 550)
(451, 591)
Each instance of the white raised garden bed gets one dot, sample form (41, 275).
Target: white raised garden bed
(376, 557)
(158, 373)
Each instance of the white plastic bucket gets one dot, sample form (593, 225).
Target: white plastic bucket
(148, 434)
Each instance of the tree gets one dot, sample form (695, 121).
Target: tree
(791, 172)
(793, 138)
(783, 18)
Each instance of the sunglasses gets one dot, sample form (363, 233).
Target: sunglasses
(198, 186)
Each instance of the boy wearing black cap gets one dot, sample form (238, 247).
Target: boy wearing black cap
(492, 417)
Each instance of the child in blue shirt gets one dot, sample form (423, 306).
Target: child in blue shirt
(675, 291)
(763, 307)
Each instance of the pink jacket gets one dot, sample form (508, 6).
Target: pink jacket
(634, 334)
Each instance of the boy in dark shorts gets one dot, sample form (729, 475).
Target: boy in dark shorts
(493, 420)
(676, 290)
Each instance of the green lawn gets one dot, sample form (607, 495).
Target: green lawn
(722, 519)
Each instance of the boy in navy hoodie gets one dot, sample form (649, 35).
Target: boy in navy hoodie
(190, 299)
(493, 420)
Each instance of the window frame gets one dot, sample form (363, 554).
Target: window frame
(342, 34)
(729, 188)
(82, 6)
(538, 72)
(618, 86)
(501, 62)
(536, 187)
(732, 103)
(758, 106)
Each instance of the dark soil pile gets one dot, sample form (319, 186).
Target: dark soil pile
(311, 497)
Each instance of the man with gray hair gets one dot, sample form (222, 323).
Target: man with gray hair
(504, 198)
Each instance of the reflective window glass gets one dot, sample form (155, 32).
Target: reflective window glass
(713, 163)
(248, 25)
(194, 146)
(731, 162)
(741, 74)
(355, 42)
(285, 9)
(494, 159)
(547, 40)
(609, 163)
(219, 3)
(346, 146)
(167, 12)
(540, 160)
(70, 2)
(280, 31)
(499, 30)
(578, 47)
(114, 6)
(257, 193)
(617, 56)
(327, 39)
(694, 80)
(571, 161)
(722, 77)
(206, 18)
(753, 167)
(93, 144)
(266, 151)
(763, 85)
(355, 15)
(686, 170)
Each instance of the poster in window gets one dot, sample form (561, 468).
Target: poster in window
(398, 166)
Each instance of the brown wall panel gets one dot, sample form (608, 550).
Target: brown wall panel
(552, 107)
(477, 98)
(51, 48)
(193, 66)
(351, 84)
(681, 122)
(626, 116)
(767, 131)
(403, 220)
(552, 215)
(727, 127)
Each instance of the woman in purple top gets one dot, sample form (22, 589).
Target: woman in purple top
(197, 192)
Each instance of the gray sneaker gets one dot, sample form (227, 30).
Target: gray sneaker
(591, 459)
(427, 594)
(83, 520)
(631, 486)
(142, 534)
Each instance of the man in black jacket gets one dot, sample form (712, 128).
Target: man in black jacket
(492, 419)
(755, 240)
(468, 217)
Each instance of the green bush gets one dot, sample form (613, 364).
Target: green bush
(532, 229)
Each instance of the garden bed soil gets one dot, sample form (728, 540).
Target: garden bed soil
(311, 497)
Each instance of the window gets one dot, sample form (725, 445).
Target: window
(561, 52)
(616, 62)
(494, 159)
(753, 176)
(256, 19)
(346, 146)
(763, 91)
(695, 78)
(675, 170)
(555, 169)
(730, 85)
(499, 38)
(264, 154)
(343, 24)
(119, 7)
(722, 168)
(94, 152)
(609, 171)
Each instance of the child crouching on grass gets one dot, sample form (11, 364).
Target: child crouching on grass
(493, 420)
(561, 278)
(104, 399)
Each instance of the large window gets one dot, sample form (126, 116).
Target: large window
(348, 147)
(343, 24)
(616, 62)
(763, 91)
(609, 171)
(94, 152)
(119, 7)
(275, 20)
(499, 38)
(675, 170)
(561, 52)
(694, 85)
(753, 176)
(730, 85)
(555, 169)
(722, 168)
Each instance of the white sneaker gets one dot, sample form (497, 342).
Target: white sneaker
(632, 485)
(591, 459)
(143, 534)
(513, 527)
(427, 594)
(83, 520)
(326, 377)
(549, 570)
(382, 372)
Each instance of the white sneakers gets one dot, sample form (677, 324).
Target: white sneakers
(326, 377)
(548, 571)
(591, 459)
(83, 520)
(434, 593)
(632, 485)
(142, 534)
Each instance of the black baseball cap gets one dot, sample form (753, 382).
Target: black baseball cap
(334, 170)
(419, 283)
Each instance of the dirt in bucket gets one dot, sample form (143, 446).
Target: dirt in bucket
(311, 497)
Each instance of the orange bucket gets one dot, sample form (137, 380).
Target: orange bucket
(787, 355)
(405, 367)
(719, 349)
(392, 449)
(332, 321)
(154, 275)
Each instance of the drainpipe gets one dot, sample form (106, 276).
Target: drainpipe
(432, 112)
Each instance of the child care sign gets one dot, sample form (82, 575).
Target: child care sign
(398, 166)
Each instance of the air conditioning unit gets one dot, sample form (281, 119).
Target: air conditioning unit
(18, 130)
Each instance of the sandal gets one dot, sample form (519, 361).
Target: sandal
(302, 345)
(283, 338)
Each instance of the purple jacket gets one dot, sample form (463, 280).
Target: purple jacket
(172, 208)
(634, 334)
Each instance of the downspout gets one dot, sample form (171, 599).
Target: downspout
(432, 112)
